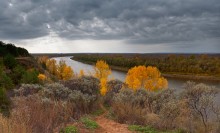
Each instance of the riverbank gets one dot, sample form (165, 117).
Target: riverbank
(166, 75)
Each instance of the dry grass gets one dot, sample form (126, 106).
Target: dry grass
(31, 114)
(129, 114)
(10, 125)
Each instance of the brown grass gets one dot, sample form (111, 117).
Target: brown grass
(31, 114)
(129, 114)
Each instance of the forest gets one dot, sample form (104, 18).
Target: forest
(191, 64)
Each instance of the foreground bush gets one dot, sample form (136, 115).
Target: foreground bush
(89, 123)
(87, 85)
(27, 89)
(40, 115)
(190, 111)
(69, 129)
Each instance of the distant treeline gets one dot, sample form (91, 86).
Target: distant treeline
(13, 50)
(199, 64)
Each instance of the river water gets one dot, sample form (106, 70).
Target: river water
(173, 83)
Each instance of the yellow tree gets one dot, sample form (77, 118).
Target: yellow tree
(64, 72)
(81, 73)
(51, 65)
(67, 73)
(102, 71)
(61, 66)
(145, 77)
(103, 86)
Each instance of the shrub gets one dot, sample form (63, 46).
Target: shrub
(142, 106)
(4, 101)
(5, 81)
(69, 129)
(113, 86)
(17, 73)
(127, 109)
(41, 115)
(9, 61)
(27, 89)
(87, 85)
(83, 103)
(200, 100)
(30, 77)
(56, 91)
(141, 129)
(89, 123)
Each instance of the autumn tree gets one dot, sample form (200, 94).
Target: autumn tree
(67, 73)
(43, 60)
(81, 73)
(103, 85)
(64, 72)
(102, 71)
(51, 65)
(145, 77)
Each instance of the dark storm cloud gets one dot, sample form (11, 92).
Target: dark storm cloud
(136, 21)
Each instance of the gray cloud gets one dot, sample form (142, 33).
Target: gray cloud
(139, 21)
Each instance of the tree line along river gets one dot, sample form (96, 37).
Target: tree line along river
(173, 83)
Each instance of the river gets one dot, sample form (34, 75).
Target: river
(173, 83)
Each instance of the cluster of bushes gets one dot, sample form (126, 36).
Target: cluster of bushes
(12, 74)
(191, 111)
(183, 64)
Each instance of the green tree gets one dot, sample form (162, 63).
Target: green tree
(4, 101)
(17, 73)
(9, 61)
(30, 77)
(5, 81)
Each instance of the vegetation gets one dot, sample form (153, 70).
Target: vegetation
(141, 129)
(11, 49)
(200, 64)
(69, 129)
(54, 99)
(89, 123)
(145, 77)
(102, 71)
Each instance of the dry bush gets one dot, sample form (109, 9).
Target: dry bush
(41, 115)
(10, 125)
(129, 114)
(113, 86)
(129, 108)
(27, 89)
(82, 102)
(86, 84)
(200, 99)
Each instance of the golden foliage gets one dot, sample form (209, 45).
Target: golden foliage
(145, 77)
(51, 65)
(64, 72)
(42, 77)
(67, 73)
(103, 85)
(102, 70)
(81, 73)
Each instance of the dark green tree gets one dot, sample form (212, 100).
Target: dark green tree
(9, 61)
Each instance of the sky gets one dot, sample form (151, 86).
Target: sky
(112, 26)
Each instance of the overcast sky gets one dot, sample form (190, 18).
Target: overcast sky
(144, 26)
